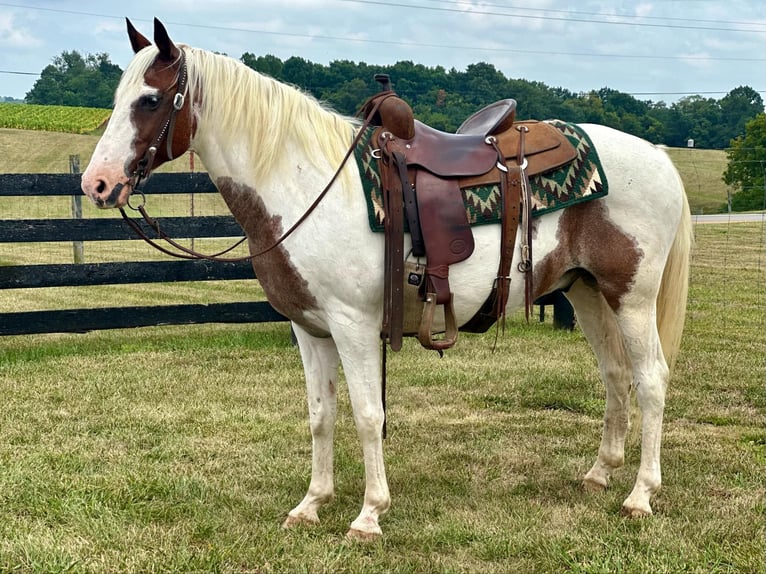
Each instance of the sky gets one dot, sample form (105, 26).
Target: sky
(658, 50)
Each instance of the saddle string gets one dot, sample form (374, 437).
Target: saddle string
(525, 241)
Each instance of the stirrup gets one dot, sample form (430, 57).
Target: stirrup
(425, 333)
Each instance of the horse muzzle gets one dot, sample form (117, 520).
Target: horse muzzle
(103, 197)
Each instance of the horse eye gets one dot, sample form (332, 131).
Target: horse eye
(149, 102)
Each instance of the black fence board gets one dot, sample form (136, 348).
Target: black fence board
(120, 273)
(52, 184)
(113, 229)
(85, 320)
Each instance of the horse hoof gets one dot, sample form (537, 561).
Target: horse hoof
(355, 535)
(593, 486)
(295, 521)
(629, 512)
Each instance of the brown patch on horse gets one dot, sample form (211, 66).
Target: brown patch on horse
(590, 243)
(162, 75)
(286, 290)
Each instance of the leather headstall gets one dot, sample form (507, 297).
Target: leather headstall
(167, 130)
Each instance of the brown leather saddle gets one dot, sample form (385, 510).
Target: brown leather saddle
(422, 173)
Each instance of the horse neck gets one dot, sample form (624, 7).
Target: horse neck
(267, 136)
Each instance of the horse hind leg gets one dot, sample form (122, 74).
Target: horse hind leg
(598, 323)
(320, 364)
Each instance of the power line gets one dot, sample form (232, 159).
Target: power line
(470, 48)
(19, 73)
(603, 14)
(551, 18)
(404, 43)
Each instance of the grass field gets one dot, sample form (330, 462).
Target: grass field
(67, 119)
(181, 449)
(31, 151)
(701, 171)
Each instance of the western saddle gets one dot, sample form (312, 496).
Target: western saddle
(422, 173)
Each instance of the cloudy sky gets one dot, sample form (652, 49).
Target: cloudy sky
(654, 49)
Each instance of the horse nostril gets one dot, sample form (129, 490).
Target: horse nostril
(101, 186)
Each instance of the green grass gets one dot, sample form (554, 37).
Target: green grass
(67, 119)
(701, 171)
(181, 449)
(32, 151)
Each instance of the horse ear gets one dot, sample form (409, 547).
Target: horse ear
(137, 40)
(168, 50)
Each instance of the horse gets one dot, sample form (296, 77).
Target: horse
(269, 148)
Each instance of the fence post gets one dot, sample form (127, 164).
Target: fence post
(191, 195)
(563, 313)
(78, 247)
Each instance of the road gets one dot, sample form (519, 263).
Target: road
(729, 218)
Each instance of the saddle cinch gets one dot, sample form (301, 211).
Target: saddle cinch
(422, 173)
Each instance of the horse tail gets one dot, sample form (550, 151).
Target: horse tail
(674, 288)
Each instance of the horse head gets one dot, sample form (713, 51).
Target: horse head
(152, 121)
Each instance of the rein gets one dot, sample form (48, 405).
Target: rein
(184, 252)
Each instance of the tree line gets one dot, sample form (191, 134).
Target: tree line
(444, 98)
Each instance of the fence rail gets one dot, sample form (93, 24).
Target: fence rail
(15, 231)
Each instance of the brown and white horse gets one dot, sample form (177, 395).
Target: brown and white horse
(270, 149)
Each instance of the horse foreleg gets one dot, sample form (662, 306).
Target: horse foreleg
(597, 321)
(360, 354)
(650, 376)
(320, 364)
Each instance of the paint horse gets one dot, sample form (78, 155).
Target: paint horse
(269, 148)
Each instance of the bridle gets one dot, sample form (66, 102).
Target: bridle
(145, 164)
(167, 130)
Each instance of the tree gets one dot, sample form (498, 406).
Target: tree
(299, 72)
(268, 64)
(700, 117)
(737, 108)
(72, 80)
(747, 166)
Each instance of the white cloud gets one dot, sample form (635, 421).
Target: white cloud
(12, 35)
(576, 45)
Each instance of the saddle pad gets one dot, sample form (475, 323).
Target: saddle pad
(581, 180)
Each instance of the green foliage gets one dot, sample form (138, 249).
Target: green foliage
(747, 166)
(52, 118)
(444, 98)
(72, 80)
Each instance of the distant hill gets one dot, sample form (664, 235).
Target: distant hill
(31, 151)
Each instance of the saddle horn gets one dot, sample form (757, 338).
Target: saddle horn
(394, 114)
(385, 82)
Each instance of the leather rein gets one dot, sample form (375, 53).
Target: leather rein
(145, 165)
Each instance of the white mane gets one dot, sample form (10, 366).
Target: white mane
(235, 97)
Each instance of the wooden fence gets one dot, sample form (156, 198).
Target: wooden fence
(76, 274)
(76, 230)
